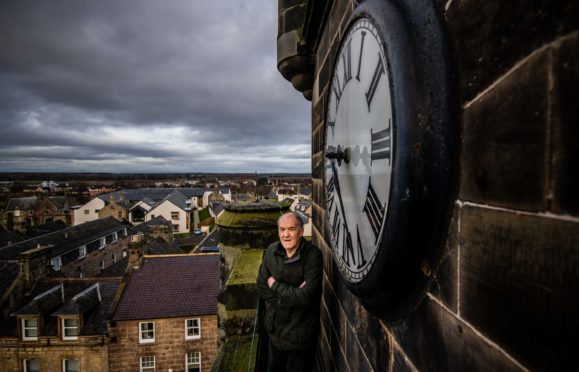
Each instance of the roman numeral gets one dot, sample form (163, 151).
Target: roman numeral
(361, 259)
(374, 210)
(378, 72)
(337, 91)
(347, 249)
(360, 58)
(330, 188)
(347, 62)
(336, 226)
(380, 147)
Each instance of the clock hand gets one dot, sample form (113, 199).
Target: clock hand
(337, 187)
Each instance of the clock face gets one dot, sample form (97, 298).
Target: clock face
(359, 148)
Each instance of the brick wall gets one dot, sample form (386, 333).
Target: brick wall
(169, 347)
(505, 295)
(91, 352)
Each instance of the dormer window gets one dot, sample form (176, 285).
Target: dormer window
(30, 329)
(82, 251)
(70, 328)
(56, 263)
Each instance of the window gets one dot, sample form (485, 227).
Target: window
(175, 228)
(70, 329)
(146, 332)
(147, 363)
(31, 365)
(30, 329)
(102, 264)
(56, 263)
(114, 257)
(193, 362)
(86, 211)
(120, 214)
(192, 328)
(175, 215)
(70, 365)
(82, 251)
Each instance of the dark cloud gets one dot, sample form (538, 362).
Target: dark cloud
(146, 85)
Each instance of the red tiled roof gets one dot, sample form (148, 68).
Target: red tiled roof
(169, 287)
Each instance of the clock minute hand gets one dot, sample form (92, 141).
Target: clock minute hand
(337, 187)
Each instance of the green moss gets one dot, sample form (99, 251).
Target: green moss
(232, 219)
(245, 267)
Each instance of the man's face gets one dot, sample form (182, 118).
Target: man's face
(290, 232)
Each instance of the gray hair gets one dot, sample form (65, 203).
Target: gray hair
(296, 217)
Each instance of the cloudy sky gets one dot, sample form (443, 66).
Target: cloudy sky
(146, 86)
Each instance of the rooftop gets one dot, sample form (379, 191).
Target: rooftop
(171, 286)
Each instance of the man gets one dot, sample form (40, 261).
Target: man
(290, 283)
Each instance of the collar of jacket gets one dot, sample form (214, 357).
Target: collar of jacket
(280, 251)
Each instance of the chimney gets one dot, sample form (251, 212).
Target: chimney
(136, 251)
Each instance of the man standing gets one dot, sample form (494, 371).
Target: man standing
(290, 283)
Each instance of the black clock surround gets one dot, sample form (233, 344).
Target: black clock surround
(422, 157)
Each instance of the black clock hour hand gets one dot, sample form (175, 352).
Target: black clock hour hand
(337, 187)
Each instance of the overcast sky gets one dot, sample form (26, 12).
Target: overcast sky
(147, 86)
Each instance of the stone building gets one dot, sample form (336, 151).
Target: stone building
(60, 326)
(23, 213)
(498, 81)
(166, 317)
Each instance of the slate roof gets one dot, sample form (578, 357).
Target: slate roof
(26, 203)
(176, 197)
(116, 270)
(65, 240)
(174, 286)
(8, 273)
(160, 246)
(159, 194)
(7, 237)
(51, 305)
(45, 228)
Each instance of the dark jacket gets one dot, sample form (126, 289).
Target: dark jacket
(292, 316)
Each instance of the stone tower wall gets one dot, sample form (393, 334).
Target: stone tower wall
(505, 295)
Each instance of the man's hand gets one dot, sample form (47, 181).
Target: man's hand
(270, 281)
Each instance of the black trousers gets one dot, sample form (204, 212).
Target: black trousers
(291, 360)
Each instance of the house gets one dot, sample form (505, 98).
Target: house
(26, 212)
(140, 205)
(117, 208)
(166, 317)
(87, 212)
(60, 326)
(173, 208)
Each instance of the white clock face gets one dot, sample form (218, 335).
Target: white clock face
(359, 147)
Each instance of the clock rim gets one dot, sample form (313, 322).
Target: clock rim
(399, 277)
(338, 55)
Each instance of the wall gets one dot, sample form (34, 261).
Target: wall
(169, 347)
(505, 295)
(92, 207)
(91, 352)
